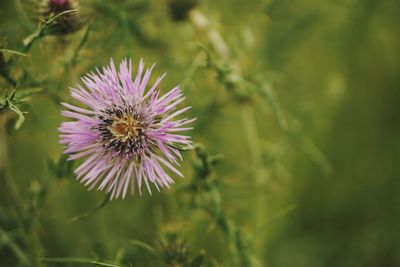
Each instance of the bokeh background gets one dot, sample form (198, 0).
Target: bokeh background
(297, 106)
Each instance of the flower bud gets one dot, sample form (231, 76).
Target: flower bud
(66, 23)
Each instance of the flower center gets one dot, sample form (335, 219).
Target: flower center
(125, 128)
(123, 132)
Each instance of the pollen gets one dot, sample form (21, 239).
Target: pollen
(125, 128)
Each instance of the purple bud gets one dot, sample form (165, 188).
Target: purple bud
(66, 23)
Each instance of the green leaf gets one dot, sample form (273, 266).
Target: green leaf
(13, 52)
(21, 117)
(266, 90)
(6, 240)
(143, 245)
(23, 93)
(11, 101)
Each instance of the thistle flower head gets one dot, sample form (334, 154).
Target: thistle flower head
(127, 134)
(64, 24)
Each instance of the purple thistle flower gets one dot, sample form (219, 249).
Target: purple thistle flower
(127, 134)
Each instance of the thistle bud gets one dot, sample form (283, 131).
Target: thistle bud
(174, 250)
(66, 23)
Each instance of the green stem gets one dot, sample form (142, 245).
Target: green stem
(258, 169)
(221, 48)
(33, 238)
(10, 182)
(6, 75)
(5, 239)
(41, 30)
(13, 190)
(201, 22)
(99, 206)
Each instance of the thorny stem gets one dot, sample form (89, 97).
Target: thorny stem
(203, 179)
(41, 30)
(28, 42)
(200, 21)
(33, 37)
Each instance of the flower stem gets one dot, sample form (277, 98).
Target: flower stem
(201, 22)
(4, 171)
(259, 171)
(221, 48)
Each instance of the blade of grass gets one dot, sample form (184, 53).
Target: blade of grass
(78, 260)
(143, 245)
(13, 52)
(5, 239)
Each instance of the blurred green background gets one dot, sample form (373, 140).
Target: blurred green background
(302, 99)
